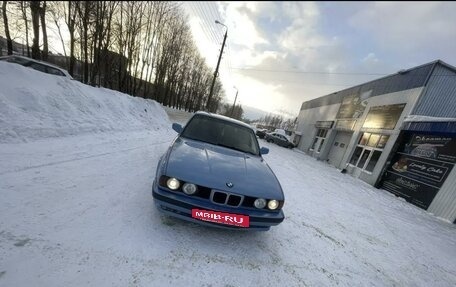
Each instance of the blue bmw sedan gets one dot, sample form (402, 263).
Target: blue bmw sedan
(213, 173)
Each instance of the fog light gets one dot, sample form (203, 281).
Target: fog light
(189, 188)
(259, 203)
(173, 183)
(273, 204)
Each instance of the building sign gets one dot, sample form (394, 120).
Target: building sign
(345, 124)
(432, 147)
(383, 117)
(413, 191)
(324, 124)
(352, 106)
(420, 167)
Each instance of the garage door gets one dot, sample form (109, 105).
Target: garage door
(339, 147)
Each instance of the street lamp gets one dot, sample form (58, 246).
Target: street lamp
(235, 98)
(216, 69)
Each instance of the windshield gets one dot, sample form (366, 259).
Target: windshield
(221, 133)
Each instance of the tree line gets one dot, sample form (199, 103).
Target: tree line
(141, 48)
(278, 122)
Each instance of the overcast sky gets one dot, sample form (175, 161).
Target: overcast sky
(279, 54)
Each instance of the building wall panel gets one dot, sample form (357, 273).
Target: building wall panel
(439, 98)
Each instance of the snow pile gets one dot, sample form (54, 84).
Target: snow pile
(35, 105)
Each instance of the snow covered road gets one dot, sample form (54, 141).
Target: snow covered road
(78, 211)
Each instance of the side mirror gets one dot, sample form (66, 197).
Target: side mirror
(264, 150)
(177, 128)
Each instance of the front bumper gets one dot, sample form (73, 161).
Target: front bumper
(180, 206)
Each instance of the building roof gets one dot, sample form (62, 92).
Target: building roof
(402, 80)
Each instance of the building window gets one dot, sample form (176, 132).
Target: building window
(319, 139)
(368, 151)
(356, 155)
(314, 143)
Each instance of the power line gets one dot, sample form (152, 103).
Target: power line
(310, 84)
(218, 36)
(309, 72)
(328, 73)
(204, 26)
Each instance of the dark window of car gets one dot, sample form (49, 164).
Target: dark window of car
(54, 71)
(223, 133)
(17, 60)
(38, 67)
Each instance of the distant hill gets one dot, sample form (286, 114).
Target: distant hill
(253, 113)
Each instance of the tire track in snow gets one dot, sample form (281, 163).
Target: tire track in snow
(82, 158)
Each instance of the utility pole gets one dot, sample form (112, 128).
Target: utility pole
(235, 98)
(208, 103)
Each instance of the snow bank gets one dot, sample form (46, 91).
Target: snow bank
(35, 105)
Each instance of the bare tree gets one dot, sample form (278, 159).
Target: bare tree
(55, 9)
(142, 48)
(35, 10)
(42, 10)
(9, 42)
(23, 7)
(70, 19)
(83, 9)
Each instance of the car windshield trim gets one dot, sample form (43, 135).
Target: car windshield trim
(221, 132)
(235, 148)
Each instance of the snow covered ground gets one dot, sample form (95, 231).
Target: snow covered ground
(76, 210)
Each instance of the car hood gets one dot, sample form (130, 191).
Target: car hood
(215, 166)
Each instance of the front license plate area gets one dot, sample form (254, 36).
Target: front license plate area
(221, 217)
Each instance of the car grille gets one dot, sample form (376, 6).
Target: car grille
(224, 198)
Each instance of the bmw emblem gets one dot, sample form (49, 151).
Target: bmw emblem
(229, 184)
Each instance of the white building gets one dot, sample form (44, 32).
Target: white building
(397, 133)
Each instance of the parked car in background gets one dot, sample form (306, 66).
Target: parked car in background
(261, 133)
(279, 139)
(37, 65)
(214, 174)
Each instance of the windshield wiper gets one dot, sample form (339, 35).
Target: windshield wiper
(235, 148)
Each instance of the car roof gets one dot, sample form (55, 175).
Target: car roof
(217, 116)
(39, 62)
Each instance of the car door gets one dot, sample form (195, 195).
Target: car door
(272, 137)
(281, 140)
(284, 141)
(277, 139)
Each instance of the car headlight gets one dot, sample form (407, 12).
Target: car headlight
(259, 203)
(173, 183)
(273, 204)
(189, 188)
